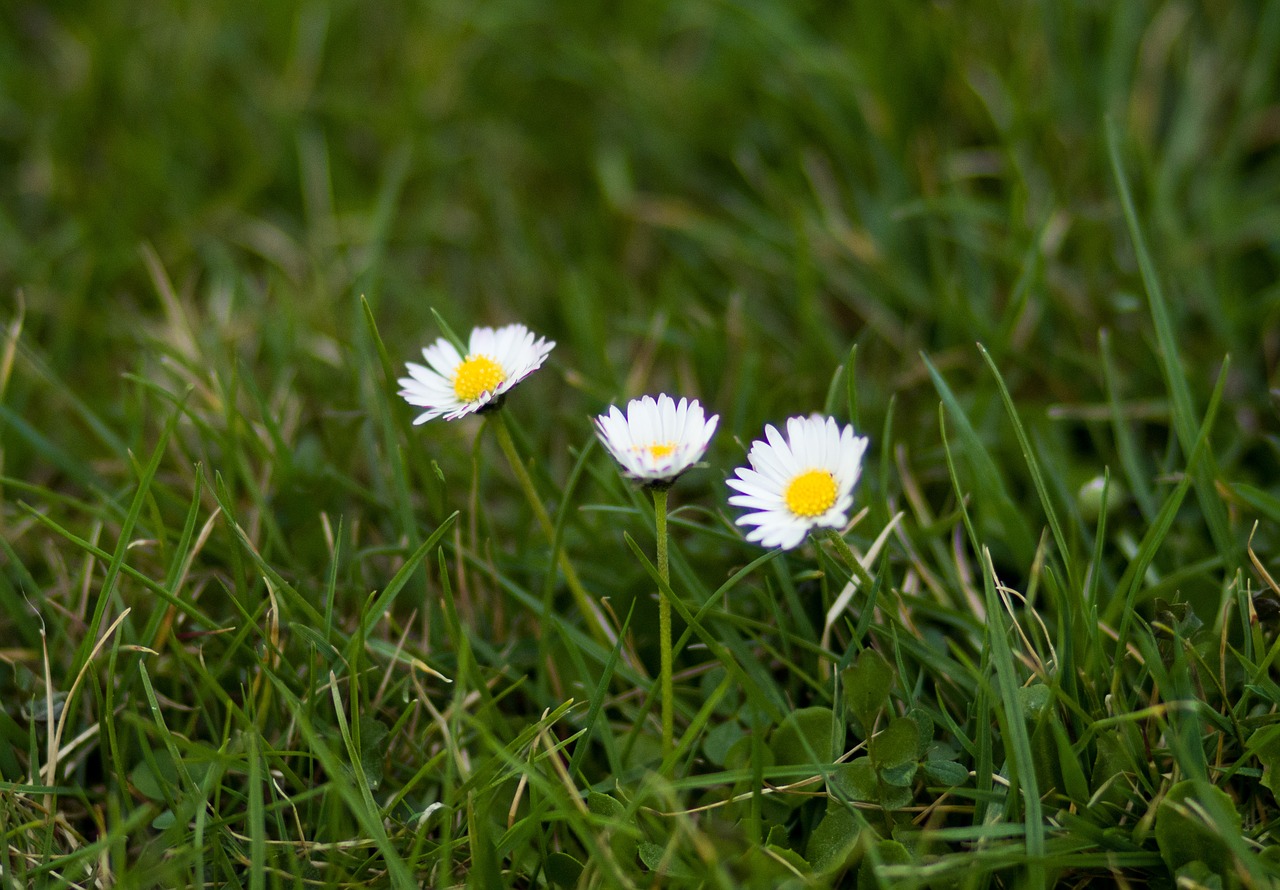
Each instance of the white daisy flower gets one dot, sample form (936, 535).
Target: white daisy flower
(803, 482)
(657, 440)
(454, 386)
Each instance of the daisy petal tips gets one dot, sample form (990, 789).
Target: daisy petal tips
(657, 439)
(452, 386)
(802, 482)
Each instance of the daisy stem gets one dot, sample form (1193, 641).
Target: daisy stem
(664, 621)
(596, 621)
(846, 556)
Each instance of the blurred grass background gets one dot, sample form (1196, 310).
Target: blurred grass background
(920, 175)
(715, 199)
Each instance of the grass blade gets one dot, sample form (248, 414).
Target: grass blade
(1037, 475)
(1184, 415)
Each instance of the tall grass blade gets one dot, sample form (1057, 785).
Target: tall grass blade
(1184, 414)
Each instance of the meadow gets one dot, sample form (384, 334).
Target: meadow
(260, 630)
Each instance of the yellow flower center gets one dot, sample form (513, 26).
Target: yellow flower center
(811, 493)
(659, 450)
(476, 375)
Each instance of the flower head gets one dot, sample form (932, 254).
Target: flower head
(657, 440)
(455, 385)
(802, 482)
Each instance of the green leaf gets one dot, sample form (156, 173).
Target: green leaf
(857, 780)
(1266, 741)
(902, 776)
(791, 857)
(563, 870)
(1187, 827)
(804, 737)
(867, 683)
(1035, 699)
(612, 811)
(1198, 876)
(721, 740)
(604, 805)
(151, 783)
(833, 846)
(885, 852)
(1044, 754)
(894, 798)
(896, 745)
(925, 723)
(373, 748)
(1069, 764)
(939, 751)
(945, 772)
(739, 755)
(1115, 766)
(652, 856)
(161, 783)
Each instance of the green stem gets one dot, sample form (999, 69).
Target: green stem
(664, 622)
(580, 596)
(846, 556)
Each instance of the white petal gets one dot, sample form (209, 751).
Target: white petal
(758, 502)
(482, 342)
(709, 430)
(751, 482)
(768, 463)
(512, 340)
(442, 357)
(780, 450)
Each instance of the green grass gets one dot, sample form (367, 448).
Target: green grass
(259, 631)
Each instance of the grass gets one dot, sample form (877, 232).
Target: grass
(257, 630)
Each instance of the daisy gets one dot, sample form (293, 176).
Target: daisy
(657, 440)
(802, 482)
(455, 386)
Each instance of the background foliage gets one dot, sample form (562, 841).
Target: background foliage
(719, 200)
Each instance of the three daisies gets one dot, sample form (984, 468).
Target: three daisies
(797, 482)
